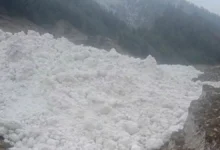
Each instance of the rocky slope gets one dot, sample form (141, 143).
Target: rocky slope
(3, 144)
(202, 128)
(210, 74)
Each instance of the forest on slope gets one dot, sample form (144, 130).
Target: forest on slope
(174, 37)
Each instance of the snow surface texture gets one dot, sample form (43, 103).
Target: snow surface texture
(55, 95)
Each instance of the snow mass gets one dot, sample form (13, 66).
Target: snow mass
(55, 95)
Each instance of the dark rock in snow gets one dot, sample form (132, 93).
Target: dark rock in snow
(210, 74)
(4, 145)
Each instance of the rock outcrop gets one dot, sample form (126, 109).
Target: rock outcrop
(202, 128)
(210, 74)
(3, 144)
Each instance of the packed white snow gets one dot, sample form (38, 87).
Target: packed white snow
(55, 95)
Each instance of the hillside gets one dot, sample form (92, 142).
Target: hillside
(16, 22)
(136, 13)
(140, 13)
(172, 32)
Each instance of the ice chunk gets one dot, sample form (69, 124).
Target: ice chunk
(3, 130)
(125, 141)
(11, 125)
(131, 127)
(105, 110)
(13, 137)
(110, 145)
(89, 126)
(135, 147)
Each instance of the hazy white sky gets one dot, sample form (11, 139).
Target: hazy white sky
(211, 5)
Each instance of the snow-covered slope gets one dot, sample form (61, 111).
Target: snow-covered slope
(55, 95)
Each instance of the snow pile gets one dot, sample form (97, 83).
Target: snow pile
(55, 95)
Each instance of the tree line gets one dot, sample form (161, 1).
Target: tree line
(175, 37)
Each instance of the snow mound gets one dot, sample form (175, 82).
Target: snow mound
(55, 95)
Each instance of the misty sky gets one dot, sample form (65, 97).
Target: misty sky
(211, 5)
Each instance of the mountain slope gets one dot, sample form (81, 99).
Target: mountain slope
(188, 35)
(172, 32)
(179, 30)
(136, 12)
(144, 12)
(71, 19)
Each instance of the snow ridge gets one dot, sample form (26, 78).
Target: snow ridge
(55, 95)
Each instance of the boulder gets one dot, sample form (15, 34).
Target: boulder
(4, 145)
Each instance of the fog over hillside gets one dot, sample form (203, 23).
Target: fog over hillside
(144, 12)
(211, 5)
(172, 31)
